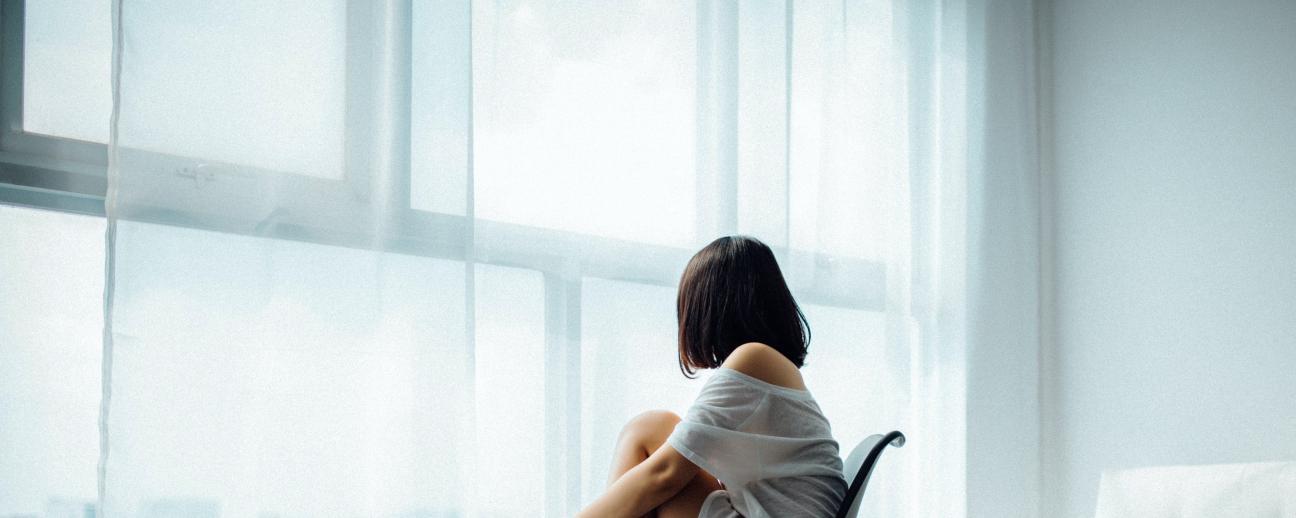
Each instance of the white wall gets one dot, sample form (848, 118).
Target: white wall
(1003, 211)
(1174, 145)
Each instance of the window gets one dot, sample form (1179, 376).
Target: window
(553, 165)
(286, 378)
(510, 390)
(51, 322)
(67, 57)
(601, 139)
(285, 63)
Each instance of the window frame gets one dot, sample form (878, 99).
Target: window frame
(68, 175)
(35, 170)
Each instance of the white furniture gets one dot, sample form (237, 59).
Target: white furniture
(1258, 490)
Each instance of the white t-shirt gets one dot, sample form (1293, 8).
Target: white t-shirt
(770, 446)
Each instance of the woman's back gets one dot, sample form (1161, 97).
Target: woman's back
(755, 442)
(770, 445)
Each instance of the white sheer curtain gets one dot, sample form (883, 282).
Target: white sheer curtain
(418, 259)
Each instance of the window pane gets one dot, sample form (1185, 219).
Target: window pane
(251, 83)
(628, 365)
(583, 116)
(261, 377)
(67, 68)
(848, 129)
(510, 359)
(51, 321)
(439, 106)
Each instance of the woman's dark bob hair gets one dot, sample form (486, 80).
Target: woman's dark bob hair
(732, 293)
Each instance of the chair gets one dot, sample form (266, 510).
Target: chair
(861, 462)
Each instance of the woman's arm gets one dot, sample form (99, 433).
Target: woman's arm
(644, 487)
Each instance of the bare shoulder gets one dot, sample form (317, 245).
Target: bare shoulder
(765, 363)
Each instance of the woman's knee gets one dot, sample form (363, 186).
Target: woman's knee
(650, 428)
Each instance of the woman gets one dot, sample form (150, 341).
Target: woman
(754, 444)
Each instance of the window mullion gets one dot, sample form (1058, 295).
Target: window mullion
(377, 143)
(12, 17)
(562, 394)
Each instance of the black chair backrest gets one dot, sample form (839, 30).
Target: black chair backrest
(861, 461)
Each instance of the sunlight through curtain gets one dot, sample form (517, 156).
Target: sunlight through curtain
(419, 259)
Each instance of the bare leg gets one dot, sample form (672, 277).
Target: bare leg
(640, 438)
(688, 502)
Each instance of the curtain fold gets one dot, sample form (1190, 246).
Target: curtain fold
(418, 258)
